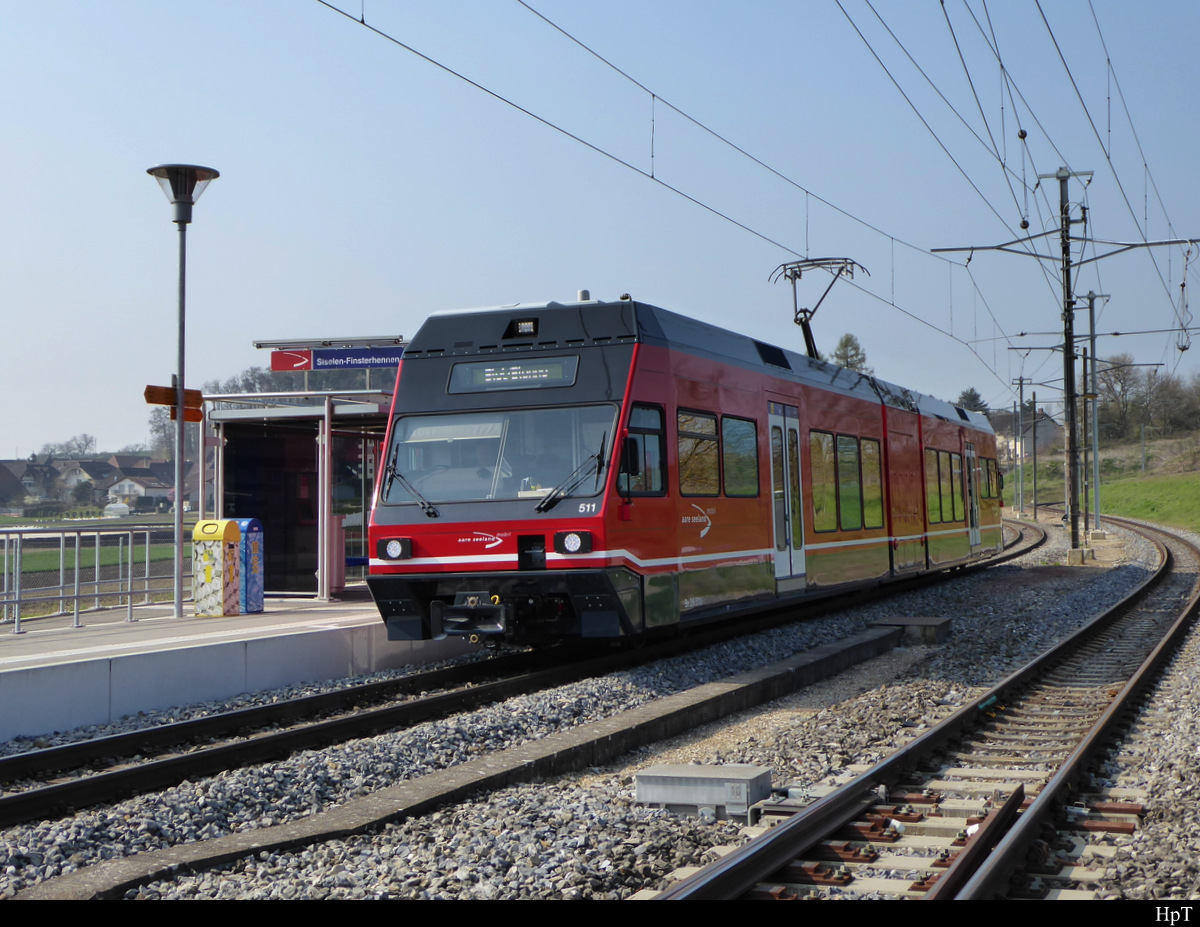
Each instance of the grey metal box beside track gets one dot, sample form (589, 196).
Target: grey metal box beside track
(727, 790)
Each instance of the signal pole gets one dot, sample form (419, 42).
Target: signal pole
(1019, 419)
(1035, 418)
(1091, 297)
(1068, 317)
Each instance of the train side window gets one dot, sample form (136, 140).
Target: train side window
(780, 503)
(824, 481)
(739, 456)
(993, 483)
(797, 498)
(872, 479)
(933, 499)
(699, 470)
(849, 484)
(945, 486)
(956, 479)
(641, 472)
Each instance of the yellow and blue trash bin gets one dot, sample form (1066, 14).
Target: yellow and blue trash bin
(215, 568)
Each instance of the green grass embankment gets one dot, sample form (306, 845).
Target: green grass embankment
(1171, 499)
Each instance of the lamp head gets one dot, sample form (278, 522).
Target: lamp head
(183, 184)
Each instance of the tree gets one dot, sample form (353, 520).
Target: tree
(849, 354)
(970, 400)
(163, 438)
(261, 380)
(1165, 403)
(1121, 385)
(162, 433)
(76, 448)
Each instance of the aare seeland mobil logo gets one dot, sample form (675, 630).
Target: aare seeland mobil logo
(482, 537)
(704, 518)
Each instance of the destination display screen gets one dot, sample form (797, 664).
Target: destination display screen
(523, 373)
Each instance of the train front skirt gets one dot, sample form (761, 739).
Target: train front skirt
(527, 606)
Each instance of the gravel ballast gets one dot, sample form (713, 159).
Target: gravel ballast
(582, 836)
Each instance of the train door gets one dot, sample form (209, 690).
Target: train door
(786, 496)
(906, 484)
(973, 498)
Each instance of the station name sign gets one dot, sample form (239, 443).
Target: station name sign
(335, 358)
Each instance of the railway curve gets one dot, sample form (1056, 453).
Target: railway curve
(840, 840)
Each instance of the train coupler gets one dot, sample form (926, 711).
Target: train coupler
(478, 615)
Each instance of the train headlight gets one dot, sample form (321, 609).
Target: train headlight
(573, 542)
(394, 549)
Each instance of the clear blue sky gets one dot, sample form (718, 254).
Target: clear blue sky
(362, 188)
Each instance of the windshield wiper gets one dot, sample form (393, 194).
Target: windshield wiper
(394, 474)
(577, 476)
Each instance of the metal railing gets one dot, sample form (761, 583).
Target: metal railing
(59, 571)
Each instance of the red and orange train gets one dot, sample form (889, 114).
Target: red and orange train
(610, 469)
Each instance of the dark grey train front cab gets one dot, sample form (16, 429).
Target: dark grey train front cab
(499, 460)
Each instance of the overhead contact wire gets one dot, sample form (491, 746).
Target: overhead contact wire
(647, 175)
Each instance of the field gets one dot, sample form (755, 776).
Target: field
(44, 561)
(47, 561)
(1172, 499)
(1159, 483)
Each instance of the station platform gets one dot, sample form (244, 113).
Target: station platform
(55, 677)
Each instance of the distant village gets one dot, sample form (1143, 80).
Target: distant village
(71, 476)
(45, 485)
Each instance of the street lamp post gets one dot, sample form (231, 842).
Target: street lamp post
(183, 184)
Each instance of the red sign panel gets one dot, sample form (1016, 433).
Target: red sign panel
(292, 360)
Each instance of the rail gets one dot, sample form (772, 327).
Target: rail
(738, 872)
(991, 880)
(63, 571)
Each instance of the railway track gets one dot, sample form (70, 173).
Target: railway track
(990, 792)
(43, 783)
(62, 779)
(581, 747)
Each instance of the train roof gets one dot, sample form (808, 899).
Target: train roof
(525, 327)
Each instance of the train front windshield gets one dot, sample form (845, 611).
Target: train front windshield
(509, 454)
